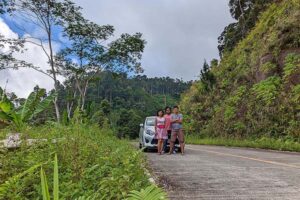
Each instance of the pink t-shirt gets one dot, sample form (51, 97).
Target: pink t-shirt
(168, 122)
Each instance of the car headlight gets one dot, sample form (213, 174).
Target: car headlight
(149, 132)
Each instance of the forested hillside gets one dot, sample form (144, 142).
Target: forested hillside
(114, 99)
(254, 91)
(121, 101)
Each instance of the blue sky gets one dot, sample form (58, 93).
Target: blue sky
(180, 34)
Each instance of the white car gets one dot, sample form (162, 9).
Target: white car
(147, 135)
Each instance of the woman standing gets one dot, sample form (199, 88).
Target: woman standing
(160, 130)
(168, 126)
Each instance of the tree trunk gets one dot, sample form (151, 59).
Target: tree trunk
(70, 105)
(56, 83)
(84, 94)
(243, 18)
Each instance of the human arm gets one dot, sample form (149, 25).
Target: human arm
(155, 126)
(179, 120)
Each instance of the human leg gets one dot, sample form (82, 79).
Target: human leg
(181, 140)
(158, 146)
(173, 139)
(165, 145)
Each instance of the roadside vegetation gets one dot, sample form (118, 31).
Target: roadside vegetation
(71, 142)
(251, 97)
(92, 163)
(260, 143)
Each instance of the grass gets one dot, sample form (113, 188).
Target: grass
(92, 162)
(261, 143)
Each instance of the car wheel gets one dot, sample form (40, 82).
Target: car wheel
(145, 149)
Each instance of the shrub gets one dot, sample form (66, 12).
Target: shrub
(292, 65)
(295, 95)
(267, 90)
(268, 67)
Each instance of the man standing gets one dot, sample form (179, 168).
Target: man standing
(177, 132)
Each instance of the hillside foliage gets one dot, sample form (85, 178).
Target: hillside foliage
(255, 88)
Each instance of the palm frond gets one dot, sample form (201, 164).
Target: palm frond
(150, 193)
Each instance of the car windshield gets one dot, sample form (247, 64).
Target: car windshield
(150, 121)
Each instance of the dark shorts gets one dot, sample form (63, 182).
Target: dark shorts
(169, 133)
(177, 134)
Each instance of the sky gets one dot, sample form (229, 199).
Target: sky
(180, 34)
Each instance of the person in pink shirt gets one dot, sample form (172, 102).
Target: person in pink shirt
(160, 130)
(167, 116)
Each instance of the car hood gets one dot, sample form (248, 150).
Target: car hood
(151, 128)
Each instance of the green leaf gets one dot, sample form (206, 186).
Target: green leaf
(6, 106)
(44, 104)
(44, 183)
(55, 180)
(17, 120)
(150, 193)
(30, 104)
(5, 188)
(4, 116)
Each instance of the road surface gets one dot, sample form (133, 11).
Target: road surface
(211, 172)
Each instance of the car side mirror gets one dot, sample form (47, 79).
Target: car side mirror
(141, 125)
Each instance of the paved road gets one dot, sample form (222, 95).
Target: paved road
(209, 172)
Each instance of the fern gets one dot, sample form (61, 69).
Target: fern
(5, 187)
(150, 193)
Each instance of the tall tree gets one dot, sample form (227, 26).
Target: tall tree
(45, 15)
(9, 46)
(87, 55)
(207, 77)
(246, 12)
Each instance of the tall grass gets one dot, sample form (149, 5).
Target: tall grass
(92, 163)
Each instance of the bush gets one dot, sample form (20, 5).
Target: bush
(292, 65)
(128, 124)
(99, 118)
(267, 90)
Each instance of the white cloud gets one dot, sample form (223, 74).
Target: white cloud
(180, 34)
(23, 81)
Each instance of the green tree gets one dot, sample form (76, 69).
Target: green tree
(93, 57)
(45, 15)
(246, 12)
(207, 77)
(105, 107)
(128, 123)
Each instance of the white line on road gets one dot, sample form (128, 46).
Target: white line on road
(248, 158)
